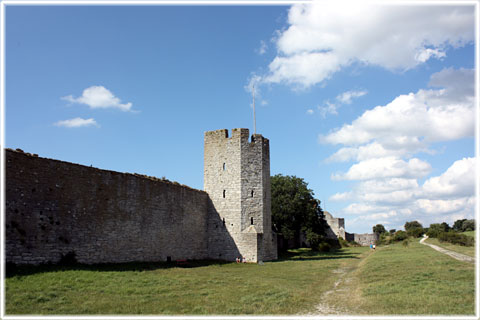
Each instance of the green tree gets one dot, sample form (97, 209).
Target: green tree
(445, 226)
(392, 231)
(379, 229)
(412, 224)
(468, 225)
(436, 228)
(415, 232)
(295, 211)
(400, 235)
(457, 225)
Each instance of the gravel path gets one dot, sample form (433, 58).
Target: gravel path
(452, 254)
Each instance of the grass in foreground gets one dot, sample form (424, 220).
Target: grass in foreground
(288, 286)
(469, 251)
(397, 280)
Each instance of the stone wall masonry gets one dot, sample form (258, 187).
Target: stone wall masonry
(365, 239)
(235, 177)
(54, 208)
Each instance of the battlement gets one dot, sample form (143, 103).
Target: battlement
(237, 133)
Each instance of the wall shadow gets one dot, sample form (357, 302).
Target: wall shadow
(310, 255)
(12, 270)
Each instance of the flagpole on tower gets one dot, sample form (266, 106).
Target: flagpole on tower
(254, 118)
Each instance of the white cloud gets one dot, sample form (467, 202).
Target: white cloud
(447, 197)
(310, 111)
(76, 122)
(457, 181)
(412, 121)
(348, 96)
(99, 97)
(465, 205)
(324, 37)
(343, 98)
(263, 48)
(388, 167)
(328, 108)
(370, 151)
(383, 143)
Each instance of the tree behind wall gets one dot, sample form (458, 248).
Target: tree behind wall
(296, 214)
(379, 229)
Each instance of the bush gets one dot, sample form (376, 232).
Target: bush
(415, 232)
(400, 235)
(324, 247)
(435, 229)
(405, 243)
(456, 238)
(343, 243)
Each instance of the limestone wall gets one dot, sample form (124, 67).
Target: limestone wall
(54, 208)
(337, 226)
(365, 239)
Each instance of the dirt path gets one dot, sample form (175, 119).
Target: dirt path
(455, 255)
(344, 289)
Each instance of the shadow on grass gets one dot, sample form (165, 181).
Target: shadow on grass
(12, 270)
(308, 254)
(305, 254)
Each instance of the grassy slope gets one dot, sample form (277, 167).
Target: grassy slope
(288, 286)
(414, 280)
(469, 251)
(469, 233)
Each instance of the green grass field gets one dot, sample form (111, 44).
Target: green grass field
(288, 286)
(391, 280)
(469, 233)
(414, 280)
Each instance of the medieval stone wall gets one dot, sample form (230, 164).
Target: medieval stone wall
(365, 239)
(54, 208)
(337, 229)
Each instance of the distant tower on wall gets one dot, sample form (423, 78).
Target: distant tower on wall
(237, 180)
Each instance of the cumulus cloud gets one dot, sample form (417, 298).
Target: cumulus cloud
(99, 97)
(324, 37)
(76, 123)
(385, 168)
(447, 197)
(457, 181)
(413, 120)
(384, 142)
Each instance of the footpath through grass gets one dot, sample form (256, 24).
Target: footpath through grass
(289, 286)
(398, 280)
(393, 280)
(469, 251)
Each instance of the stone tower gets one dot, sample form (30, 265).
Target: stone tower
(237, 180)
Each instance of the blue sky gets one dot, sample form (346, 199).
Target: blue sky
(373, 106)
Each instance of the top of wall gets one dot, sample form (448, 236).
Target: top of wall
(137, 175)
(236, 133)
